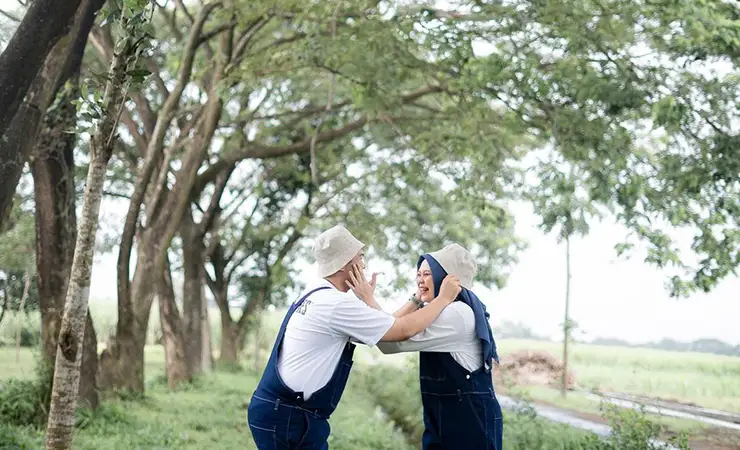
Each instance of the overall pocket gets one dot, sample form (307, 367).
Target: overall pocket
(263, 420)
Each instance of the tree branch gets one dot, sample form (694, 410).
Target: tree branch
(14, 19)
(248, 35)
(208, 217)
(259, 151)
(153, 149)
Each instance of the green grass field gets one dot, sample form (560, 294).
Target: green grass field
(711, 381)
(211, 413)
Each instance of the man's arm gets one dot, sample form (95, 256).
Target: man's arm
(453, 326)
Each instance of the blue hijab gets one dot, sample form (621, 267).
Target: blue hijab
(482, 327)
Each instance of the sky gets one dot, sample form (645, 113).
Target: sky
(610, 296)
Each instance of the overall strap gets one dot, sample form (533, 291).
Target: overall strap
(290, 312)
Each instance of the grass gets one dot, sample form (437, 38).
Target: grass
(210, 413)
(711, 381)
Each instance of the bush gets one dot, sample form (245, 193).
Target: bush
(633, 430)
(30, 337)
(15, 438)
(30, 333)
(25, 402)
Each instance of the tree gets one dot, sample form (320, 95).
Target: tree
(133, 18)
(267, 64)
(34, 65)
(639, 114)
(564, 207)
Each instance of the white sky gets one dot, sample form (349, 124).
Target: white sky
(611, 297)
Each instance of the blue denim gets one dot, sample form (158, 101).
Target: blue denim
(461, 411)
(280, 418)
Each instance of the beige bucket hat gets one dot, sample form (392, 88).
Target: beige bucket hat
(456, 260)
(334, 248)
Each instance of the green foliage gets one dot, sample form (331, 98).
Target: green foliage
(632, 430)
(18, 243)
(19, 438)
(522, 429)
(26, 402)
(129, 22)
(640, 97)
(561, 201)
(210, 414)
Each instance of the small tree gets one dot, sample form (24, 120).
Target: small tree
(132, 16)
(564, 207)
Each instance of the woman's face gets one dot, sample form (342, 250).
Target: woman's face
(425, 283)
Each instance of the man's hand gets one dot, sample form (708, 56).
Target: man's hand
(360, 286)
(450, 289)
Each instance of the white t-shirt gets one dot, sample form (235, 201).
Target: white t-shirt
(452, 332)
(318, 332)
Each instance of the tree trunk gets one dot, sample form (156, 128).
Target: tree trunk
(43, 24)
(172, 334)
(66, 383)
(256, 357)
(192, 300)
(122, 362)
(566, 322)
(230, 339)
(41, 86)
(207, 350)
(52, 169)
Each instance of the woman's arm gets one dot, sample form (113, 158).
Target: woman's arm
(411, 323)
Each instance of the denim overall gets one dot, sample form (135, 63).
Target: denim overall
(280, 418)
(461, 411)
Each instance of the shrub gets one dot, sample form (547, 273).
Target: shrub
(30, 337)
(633, 430)
(17, 438)
(26, 402)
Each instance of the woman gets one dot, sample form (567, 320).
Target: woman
(461, 411)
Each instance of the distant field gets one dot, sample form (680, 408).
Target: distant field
(711, 381)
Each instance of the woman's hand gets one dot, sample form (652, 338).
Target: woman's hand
(360, 286)
(450, 289)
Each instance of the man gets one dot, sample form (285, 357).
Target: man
(312, 356)
(461, 411)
